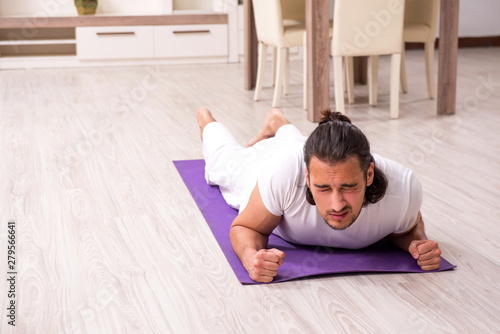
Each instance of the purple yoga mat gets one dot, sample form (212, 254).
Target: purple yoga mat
(300, 261)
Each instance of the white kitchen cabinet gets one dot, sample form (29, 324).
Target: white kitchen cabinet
(204, 40)
(121, 42)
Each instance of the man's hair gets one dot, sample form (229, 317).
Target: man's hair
(336, 139)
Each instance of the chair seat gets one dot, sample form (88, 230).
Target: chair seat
(416, 32)
(290, 22)
(293, 35)
(295, 23)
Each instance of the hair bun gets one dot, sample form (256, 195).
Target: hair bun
(332, 116)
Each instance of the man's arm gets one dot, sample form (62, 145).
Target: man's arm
(249, 236)
(426, 252)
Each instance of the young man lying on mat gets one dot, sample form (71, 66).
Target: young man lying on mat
(326, 190)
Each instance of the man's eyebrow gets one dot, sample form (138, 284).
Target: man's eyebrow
(345, 185)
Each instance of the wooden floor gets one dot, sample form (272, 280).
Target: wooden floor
(108, 239)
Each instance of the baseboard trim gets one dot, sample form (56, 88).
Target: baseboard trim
(464, 42)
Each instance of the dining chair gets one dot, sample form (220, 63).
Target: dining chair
(420, 25)
(273, 31)
(367, 28)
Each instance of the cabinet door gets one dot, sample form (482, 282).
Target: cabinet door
(201, 40)
(134, 42)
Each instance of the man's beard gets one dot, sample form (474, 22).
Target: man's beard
(328, 213)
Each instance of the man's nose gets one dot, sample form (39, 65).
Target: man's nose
(337, 201)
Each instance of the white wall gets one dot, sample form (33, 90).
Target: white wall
(479, 18)
(66, 7)
(41, 8)
(191, 4)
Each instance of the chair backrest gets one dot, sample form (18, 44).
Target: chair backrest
(294, 10)
(268, 21)
(423, 12)
(367, 27)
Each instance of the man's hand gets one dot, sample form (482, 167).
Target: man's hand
(249, 236)
(427, 254)
(265, 264)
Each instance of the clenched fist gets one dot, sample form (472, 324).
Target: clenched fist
(427, 254)
(265, 264)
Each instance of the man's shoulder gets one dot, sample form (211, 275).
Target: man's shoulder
(291, 151)
(287, 163)
(403, 197)
(391, 168)
(400, 178)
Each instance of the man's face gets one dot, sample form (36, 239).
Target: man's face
(338, 190)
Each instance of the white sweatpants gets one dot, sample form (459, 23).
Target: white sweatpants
(235, 168)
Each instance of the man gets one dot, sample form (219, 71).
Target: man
(327, 189)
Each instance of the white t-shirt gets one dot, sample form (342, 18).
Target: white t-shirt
(277, 165)
(282, 186)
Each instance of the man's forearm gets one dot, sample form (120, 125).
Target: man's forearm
(417, 233)
(246, 242)
(426, 252)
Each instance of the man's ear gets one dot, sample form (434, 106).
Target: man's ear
(370, 174)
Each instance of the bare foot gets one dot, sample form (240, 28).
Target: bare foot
(203, 116)
(274, 120)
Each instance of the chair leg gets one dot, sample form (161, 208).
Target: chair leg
(260, 71)
(404, 82)
(286, 72)
(373, 80)
(349, 75)
(395, 76)
(339, 84)
(279, 76)
(344, 70)
(429, 66)
(304, 70)
(274, 65)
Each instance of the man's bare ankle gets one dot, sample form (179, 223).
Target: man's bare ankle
(276, 120)
(204, 117)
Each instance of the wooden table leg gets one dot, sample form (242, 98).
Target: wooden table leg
(250, 53)
(318, 58)
(448, 50)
